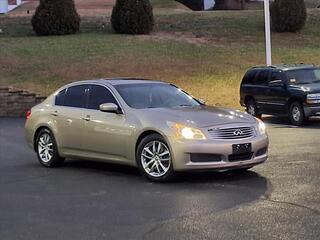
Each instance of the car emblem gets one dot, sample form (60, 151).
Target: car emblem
(238, 132)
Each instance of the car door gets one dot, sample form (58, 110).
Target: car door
(106, 134)
(68, 115)
(277, 94)
(261, 89)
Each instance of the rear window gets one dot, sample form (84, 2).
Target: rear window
(249, 77)
(60, 97)
(75, 96)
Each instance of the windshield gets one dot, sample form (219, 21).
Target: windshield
(303, 76)
(154, 95)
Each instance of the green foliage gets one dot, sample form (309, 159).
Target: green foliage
(132, 17)
(56, 17)
(288, 15)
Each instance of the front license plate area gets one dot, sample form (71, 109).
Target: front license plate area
(241, 148)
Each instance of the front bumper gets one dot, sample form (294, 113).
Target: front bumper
(311, 110)
(183, 150)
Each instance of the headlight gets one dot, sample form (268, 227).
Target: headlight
(185, 132)
(313, 98)
(261, 127)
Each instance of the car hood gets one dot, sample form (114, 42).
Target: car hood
(308, 88)
(200, 116)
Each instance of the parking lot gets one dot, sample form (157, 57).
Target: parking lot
(88, 200)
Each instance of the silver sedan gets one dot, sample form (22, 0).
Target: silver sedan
(153, 125)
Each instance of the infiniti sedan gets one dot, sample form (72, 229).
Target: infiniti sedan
(152, 125)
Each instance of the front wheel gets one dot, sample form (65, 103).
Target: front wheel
(296, 114)
(154, 159)
(46, 148)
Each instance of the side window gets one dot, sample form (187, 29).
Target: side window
(75, 96)
(99, 95)
(262, 78)
(60, 98)
(276, 76)
(249, 77)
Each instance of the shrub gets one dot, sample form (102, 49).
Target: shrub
(56, 17)
(288, 15)
(132, 17)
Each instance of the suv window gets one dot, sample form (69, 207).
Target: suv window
(75, 96)
(262, 77)
(60, 98)
(276, 76)
(99, 95)
(249, 77)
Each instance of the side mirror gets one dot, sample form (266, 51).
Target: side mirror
(276, 83)
(109, 107)
(201, 101)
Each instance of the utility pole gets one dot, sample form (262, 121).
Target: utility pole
(267, 32)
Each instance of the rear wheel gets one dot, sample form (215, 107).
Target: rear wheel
(251, 108)
(47, 150)
(154, 159)
(296, 114)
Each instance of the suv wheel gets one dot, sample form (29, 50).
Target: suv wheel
(47, 150)
(252, 109)
(154, 159)
(296, 114)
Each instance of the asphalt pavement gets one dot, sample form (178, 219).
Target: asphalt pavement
(86, 200)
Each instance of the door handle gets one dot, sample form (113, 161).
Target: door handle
(55, 113)
(87, 118)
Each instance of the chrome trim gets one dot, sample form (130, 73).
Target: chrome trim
(271, 103)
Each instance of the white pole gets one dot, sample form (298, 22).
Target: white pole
(268, 32)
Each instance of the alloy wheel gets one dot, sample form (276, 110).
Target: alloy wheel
(156, 158)
(251, 110)
(45, 147)
(296, 114)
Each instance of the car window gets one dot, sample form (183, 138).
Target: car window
(303, 76)
(60, 98)
(262, 77)
(75, 96)
(249, 77)
(99, 95)
(276, 76)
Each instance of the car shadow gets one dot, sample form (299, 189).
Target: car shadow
(283, 122)
(203, 177)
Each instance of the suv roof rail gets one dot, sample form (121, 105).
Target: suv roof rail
(264, 66)
(283, 65)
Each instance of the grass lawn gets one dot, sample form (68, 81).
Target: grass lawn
(205, 53)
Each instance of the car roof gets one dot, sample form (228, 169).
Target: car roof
(118, 81)
(287, 67)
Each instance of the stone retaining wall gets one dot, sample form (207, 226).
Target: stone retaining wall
(15, 102)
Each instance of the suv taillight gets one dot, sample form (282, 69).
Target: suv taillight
(28, 114)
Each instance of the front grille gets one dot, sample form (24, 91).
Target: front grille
(240, 157)
(232, 133)
(200, 157)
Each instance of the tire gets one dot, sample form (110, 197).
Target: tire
(156, 165)
(296, 114)
(251, 108)
(46, 149)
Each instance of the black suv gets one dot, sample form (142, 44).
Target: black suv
(291, 90)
